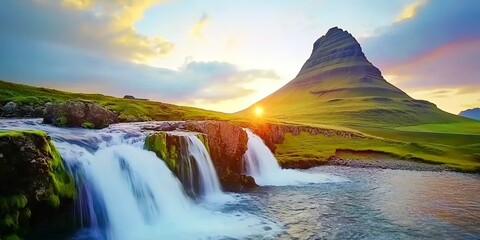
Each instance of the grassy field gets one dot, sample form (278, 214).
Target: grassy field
(459, 151)
(128, 109)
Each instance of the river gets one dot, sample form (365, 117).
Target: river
(139, 198)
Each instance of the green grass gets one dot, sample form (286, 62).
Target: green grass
(320, 147)
(128, 109)
(468, 128)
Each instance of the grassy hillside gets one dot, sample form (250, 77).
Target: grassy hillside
(127, 108)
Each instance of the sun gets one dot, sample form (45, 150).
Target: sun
(258, 111)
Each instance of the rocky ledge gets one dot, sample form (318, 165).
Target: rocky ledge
(227, 144)
(36, 192)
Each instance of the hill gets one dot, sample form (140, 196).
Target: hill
(473, 113)
(337, 85)
(128, 109)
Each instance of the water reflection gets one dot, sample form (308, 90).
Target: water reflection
(376, 204)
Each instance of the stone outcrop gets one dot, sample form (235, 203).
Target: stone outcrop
(227, 144)
(76, 113)
(35, 188)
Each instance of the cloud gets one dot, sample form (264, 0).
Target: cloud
(435, 24)
(200, 25)
(103, 27)
(58, 66)
(453, 65)
(410, 10)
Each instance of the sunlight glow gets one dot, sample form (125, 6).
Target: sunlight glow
(258, 111)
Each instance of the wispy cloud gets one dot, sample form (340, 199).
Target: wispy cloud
(199, 27)
(410, 10)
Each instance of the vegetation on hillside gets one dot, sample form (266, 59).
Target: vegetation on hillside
(128, 109)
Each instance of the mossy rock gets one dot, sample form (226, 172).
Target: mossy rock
(33, 182)
(172, 148)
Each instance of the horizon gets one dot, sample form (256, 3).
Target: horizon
(213, 59)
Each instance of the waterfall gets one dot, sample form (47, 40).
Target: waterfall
(261, 164)
(208, 179)
(126, 192)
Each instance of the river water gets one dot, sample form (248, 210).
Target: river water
(139, 198)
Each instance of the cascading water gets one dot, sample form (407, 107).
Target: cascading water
(209, 184)
(194, 168)
(263, 166)
(126, 192)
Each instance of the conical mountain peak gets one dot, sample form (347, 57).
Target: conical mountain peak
(336, 45)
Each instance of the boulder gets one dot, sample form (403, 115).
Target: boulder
(76, 113)
(227, 144)
(10, 107)
(35, 188)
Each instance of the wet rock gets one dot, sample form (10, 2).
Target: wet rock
(165, 126)
(76, 113)
(227, 144)
(172, 148)
(34, 185)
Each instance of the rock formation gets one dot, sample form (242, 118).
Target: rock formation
(227, 144)
(76, 113)
(172, 148)
(34, 186)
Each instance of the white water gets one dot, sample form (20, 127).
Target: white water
(209, 184)
(126, 192)
(264, 168)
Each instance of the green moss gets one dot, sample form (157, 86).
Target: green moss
(13, 237)
(62, 181)
(204, 140)
(20, 133)
(87, 125)
(172, 157)
(58, 184)
(157, 143)
(62, 121)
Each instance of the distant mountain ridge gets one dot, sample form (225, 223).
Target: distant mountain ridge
(473, 113)
(338, 85)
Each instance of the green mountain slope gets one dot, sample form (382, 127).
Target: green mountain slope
(337, 85)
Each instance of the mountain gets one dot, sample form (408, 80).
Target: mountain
(473, 113)
(338, 85)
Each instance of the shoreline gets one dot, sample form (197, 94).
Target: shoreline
(393, 164)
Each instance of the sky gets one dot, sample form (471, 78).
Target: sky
(226, 55)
